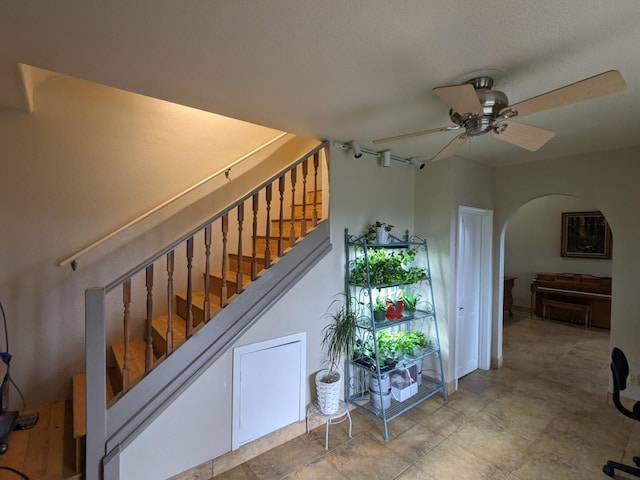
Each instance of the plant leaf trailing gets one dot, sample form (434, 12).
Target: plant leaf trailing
(337, 336)
(392, 346)
(386, 267)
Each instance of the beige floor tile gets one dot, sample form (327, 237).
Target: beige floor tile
(319, 469)
(366, 458)
(543, 416)
(451, 461)
(487, 440)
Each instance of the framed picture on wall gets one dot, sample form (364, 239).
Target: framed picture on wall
(585, 235)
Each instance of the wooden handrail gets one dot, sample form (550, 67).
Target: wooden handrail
(73, 259)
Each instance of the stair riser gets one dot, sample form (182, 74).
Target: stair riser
(197, 310)
(318, 197)
(286, 227)
(261, 244)
(159, 335)
(246, 263)
(215, 285)
(309, 209)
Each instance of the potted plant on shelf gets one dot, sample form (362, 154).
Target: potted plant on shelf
(378, 232)
(395, 307)
(365, 354)
(379, 309)
(337, 341)
(410, 300)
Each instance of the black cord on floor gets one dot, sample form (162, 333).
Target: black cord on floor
(6, 337)
(20, 474)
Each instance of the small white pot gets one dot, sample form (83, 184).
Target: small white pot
(382, 235)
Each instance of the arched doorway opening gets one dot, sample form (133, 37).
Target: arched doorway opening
(530, 244)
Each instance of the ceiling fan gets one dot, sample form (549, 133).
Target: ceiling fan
(479, 109)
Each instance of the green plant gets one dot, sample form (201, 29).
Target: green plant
(337, 335)
(386, 267)
(413, 342)
(410, 300)
(379, 304)
(393, 345)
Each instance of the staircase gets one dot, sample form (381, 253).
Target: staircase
(148, 343)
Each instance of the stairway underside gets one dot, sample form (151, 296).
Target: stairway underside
(146, 400)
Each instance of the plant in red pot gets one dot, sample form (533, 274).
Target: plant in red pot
(395, 307)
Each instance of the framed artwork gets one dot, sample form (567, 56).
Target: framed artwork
(585, 235)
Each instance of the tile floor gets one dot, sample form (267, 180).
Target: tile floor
(542, 416)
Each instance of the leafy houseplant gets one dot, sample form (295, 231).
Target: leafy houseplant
(386, 267)
(410, 301)
(337, 341)
(392, 346)
(377, 232)
(338, 334)
(379, 309)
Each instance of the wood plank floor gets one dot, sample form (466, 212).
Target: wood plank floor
(46, 451)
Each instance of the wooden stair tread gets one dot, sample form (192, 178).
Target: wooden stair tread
(137, 350)
(179, 328)
(79, 403)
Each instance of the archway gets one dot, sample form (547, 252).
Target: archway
(531, 243)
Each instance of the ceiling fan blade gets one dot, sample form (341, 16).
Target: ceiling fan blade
(452, 147)
(416, 134)
(598, 86)
(521, 135)
(461, 98)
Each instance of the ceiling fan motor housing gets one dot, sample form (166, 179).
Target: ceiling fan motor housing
(492, 101)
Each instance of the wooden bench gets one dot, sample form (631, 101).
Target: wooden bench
(584, 311)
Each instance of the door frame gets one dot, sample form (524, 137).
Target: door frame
(486, 286)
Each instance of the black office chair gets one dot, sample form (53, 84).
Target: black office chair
(620, 371)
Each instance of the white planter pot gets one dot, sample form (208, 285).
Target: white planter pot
(378, 399)
(382, 235)
(374, 385)
(328, 393)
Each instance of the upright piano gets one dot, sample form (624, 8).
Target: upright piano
(574, 288)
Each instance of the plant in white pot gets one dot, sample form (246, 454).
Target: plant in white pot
(337, 341)
(378, 232)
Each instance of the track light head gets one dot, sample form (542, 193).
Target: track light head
(355, 148)
(417, 162)
(386, 158)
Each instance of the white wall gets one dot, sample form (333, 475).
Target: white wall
(532, 244)
(440, 189)
(87, 161)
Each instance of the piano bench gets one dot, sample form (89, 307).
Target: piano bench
(582, 309)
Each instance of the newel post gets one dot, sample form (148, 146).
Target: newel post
(96, 390)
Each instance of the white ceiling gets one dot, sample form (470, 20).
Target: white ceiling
(350, 69)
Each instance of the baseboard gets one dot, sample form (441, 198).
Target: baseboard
(496, 362)
(251, 450)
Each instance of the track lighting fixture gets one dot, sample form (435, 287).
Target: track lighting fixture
(355, 147)
(386, 158)
(417, 162)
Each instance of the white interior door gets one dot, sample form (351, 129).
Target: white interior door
(474, 295)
